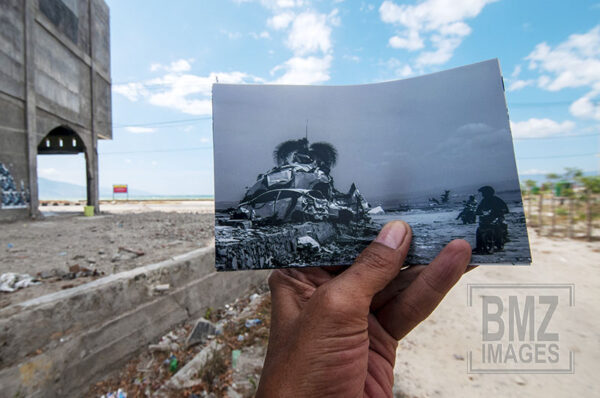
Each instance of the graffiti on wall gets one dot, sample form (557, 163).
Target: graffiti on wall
(10, 196)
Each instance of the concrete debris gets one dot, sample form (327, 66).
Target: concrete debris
(376, 211)
(161, 288)
(202, 330)
(306, 242)
(11, 281)
(187, 376)
(167, 343)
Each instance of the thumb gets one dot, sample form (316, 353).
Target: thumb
(378, 264)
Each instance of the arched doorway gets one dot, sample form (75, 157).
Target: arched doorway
(63, 140)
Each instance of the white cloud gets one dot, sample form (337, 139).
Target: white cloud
(181, 65)
(231, 35)
(353, 58)
(585, 108)
(411, 43)
(132, 91)
(262, 35)
(139, 129)
(280, 21)
(519, 84)
(571, 64)
(307, 70)
(185, 92)
(48, 172)
(441, 20)
(309, 39)
(310, 33)
(536, 128)
(516, 72)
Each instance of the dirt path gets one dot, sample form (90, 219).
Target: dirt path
(431, 360)
(121, 239)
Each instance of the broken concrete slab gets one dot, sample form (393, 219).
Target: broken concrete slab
(102, 323)
(202, 329)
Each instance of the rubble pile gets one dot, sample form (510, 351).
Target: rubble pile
(265, 247)
(219, 355)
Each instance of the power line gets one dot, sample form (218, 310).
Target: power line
(191, 149)
(163, 122)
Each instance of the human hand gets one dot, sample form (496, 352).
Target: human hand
(336, 335)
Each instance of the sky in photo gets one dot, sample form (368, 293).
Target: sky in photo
(166, 55)
(396, 140)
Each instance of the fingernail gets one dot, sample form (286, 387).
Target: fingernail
(392, 234)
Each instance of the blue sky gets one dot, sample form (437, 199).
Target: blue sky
(166, 55)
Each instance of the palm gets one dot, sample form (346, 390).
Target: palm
(352, 332)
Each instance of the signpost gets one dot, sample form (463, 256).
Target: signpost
(122, 188)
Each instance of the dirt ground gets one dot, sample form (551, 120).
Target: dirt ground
(431, 360)
(125, 236)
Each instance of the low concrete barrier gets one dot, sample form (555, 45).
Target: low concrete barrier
(58, 344)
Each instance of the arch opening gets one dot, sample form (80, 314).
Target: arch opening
(61, 141)
(65, 178)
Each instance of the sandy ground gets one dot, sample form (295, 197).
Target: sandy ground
(108, 243)
(431, 360)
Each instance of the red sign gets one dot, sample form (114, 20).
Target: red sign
(119, 188)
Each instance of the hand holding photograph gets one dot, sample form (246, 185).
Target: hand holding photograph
(307, 175)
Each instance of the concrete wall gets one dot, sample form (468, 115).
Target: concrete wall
(54, 71)
(58, 345)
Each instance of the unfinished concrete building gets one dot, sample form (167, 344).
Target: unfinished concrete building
(55, 93)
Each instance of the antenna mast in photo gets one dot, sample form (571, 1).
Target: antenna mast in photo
(306, 134)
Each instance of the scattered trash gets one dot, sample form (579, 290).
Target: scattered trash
(173, 364)
(62, 253)
(76, 271)
(235, 356)
(240, 337)
(10, 246)
(376, 211)
(254, 297)
(132, 251)
(118, 394)
(202, 329)
(161, 288)
(520, 381)
(11, 281)
(459, 357)
(253, 322)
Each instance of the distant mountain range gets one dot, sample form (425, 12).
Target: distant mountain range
(50, 189)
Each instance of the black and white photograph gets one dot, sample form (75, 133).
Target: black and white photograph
(308, 175)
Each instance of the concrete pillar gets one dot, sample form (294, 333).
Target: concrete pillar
(92, 158)
(30, 106)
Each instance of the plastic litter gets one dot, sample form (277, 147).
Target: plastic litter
(11, 281)
(10, 246)
(235, 356)
(173, 364)
(117, 394)
(253, 322)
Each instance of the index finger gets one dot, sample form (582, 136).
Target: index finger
(401, 314)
